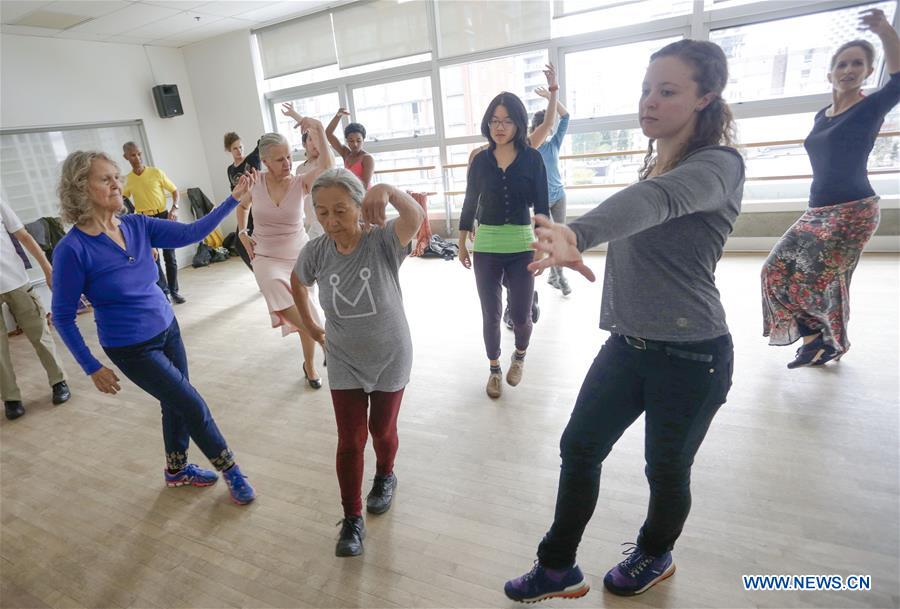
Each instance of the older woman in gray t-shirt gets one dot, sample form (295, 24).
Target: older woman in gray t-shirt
(356, 264)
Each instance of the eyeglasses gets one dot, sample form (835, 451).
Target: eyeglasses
(505, 123)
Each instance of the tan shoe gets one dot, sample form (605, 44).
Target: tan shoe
(514, 375)
(495, 384)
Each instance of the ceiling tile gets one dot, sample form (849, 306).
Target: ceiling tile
(25, 30)
(122, 39)
(13, 10)
(123, 20)
(211, 30)
(88, 8)
(173, 26)
(278, 10)
(181, 5)
(230, 9)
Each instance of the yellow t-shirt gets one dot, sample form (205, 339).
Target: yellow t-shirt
(148, 190)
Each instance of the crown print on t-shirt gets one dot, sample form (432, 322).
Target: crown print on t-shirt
(351, 310)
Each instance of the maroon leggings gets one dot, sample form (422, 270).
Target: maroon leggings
(350, 411)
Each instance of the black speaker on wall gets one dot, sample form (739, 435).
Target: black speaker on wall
(168, 103)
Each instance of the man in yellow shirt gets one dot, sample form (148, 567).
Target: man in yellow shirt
(147, 187)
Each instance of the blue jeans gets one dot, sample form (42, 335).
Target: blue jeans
(679, 395)
(159, 367)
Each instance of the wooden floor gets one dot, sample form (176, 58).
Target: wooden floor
(798, 475)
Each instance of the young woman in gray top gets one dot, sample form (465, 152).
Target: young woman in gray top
(669, 353)
(357, 264)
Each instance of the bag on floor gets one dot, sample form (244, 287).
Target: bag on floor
(203, 256)
(439, 247)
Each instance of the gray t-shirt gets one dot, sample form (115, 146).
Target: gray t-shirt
(665, 236)
(366, 333)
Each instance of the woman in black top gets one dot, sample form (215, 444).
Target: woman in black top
(806, 278)
(503, 182)
(239, 167)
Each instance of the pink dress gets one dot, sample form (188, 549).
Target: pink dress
(279, 236)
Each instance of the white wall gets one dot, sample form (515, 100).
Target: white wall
(50, 81)
(224, 83)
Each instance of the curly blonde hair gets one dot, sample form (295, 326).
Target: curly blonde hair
(75, 206)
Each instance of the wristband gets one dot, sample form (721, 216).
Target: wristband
(243, 231)
(553, 88)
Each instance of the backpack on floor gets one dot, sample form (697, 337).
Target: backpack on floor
(439, 247)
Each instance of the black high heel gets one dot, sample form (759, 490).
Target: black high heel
(314, 383)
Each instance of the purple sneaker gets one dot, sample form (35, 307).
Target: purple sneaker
(191, 475)
(639, 572)
(540, 584)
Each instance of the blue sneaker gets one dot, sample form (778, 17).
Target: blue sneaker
(241, 491)
(639, 572)
(191, 475)
(540, 584)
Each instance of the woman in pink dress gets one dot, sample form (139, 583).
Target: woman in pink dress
(358, 161)
(279, 234)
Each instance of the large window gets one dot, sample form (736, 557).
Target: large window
(415, 170)
(469, 88)
(322, 107)
(594, 74)
(791, 57)
(395, 110)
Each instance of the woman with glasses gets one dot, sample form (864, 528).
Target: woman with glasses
(503, 183)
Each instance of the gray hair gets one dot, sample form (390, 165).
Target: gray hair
(338, 176)
(75, 207)
(271, 139)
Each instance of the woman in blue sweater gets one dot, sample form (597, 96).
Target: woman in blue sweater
(109, 259)
(806, 278)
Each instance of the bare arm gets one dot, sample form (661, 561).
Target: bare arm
(876, 21)
(411, 214)
(301, 301)
(35, 250)
(551, 94)
(368, 168)
(337, 144)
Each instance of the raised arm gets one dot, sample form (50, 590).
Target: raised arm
(551, 94)
(875, 21)
(411, 213)
(169, 235)
(337, 144)
(702, 182)
(562, 127)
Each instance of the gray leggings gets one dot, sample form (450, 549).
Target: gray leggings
(558, 213)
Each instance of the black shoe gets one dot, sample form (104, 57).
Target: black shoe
(314, 383)
(350, 541)
(61, 393)
(14, 409)
(535, 309)
(809, 354)
(831, 355)
(177, 298)
(507, 319)
(382, 494)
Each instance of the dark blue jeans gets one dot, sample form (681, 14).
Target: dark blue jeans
(680, 398)
(159, 367)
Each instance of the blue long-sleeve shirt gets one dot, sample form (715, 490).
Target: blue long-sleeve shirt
(129, 308)
(550, 153)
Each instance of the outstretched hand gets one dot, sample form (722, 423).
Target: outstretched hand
(560, 245)
(287, 108)
(247, 181)
(873, 20)
(550, 74)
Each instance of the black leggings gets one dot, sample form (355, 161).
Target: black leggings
(679, 396)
